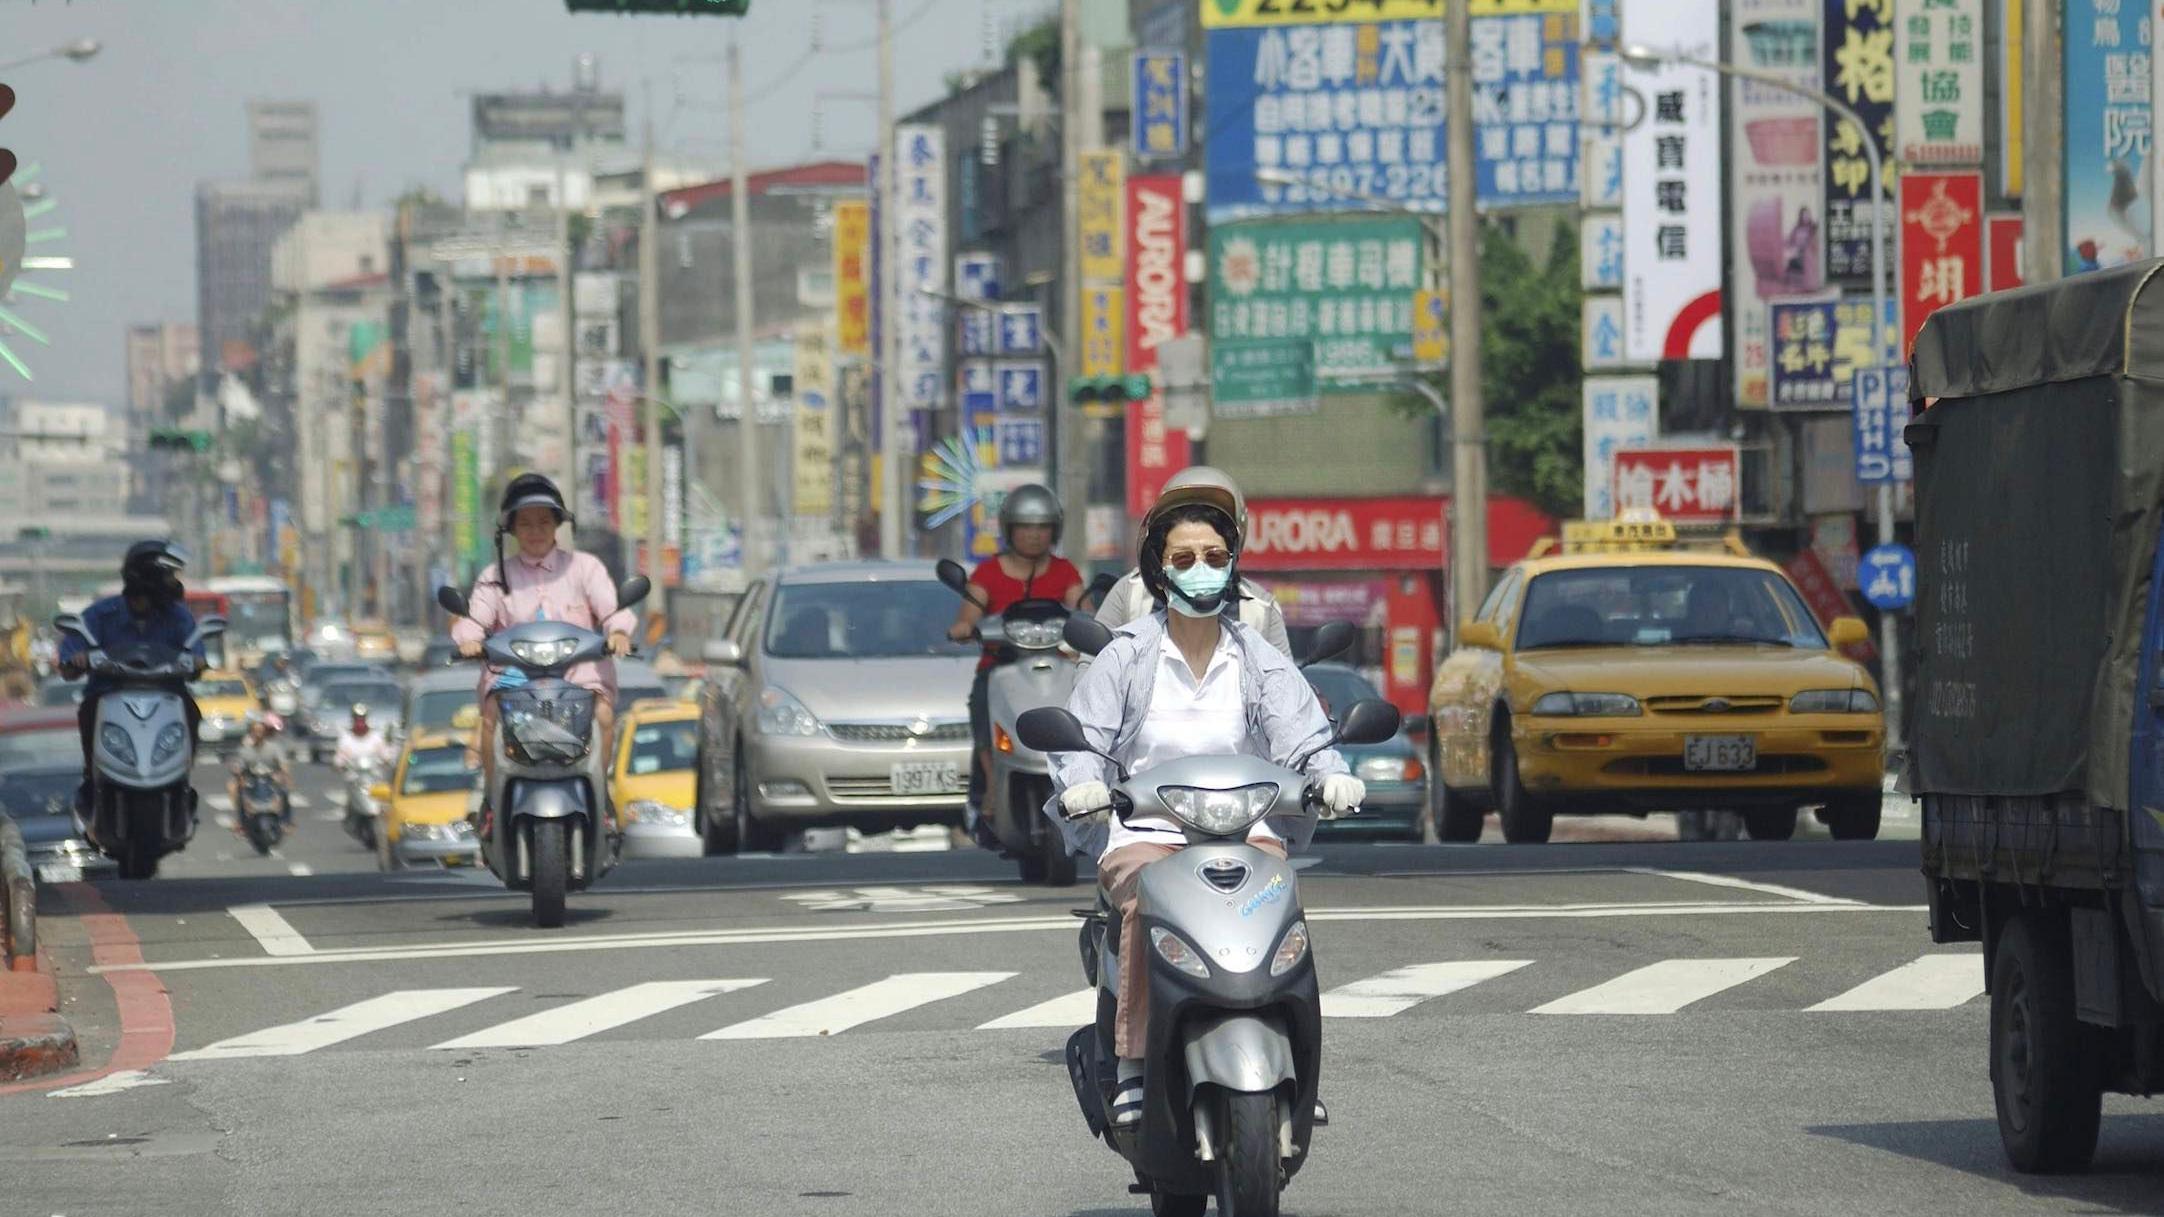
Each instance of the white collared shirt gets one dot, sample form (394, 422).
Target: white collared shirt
(1187, 717)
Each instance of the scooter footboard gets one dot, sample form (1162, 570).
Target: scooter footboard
(1242, 1052)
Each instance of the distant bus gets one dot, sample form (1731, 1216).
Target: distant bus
(259, 613)
(203, 604)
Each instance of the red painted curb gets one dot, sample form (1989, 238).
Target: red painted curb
(32, 1045)
(146, 1013)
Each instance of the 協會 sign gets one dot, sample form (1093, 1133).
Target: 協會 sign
(1939, 82)
(1685, 485)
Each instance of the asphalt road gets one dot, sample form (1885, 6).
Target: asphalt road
(1626, 1025)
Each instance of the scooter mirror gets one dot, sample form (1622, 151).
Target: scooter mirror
(452, 601)
(1085, 634)
(1368, 722)
(951, 573)
(633, 591)
(1052, 729)
(1331, 640)
(70, 623)
(1100, 587)
(210, 627)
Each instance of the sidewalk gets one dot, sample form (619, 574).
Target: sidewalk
(34, 1039)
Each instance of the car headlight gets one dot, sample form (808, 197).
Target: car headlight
(1219, 811)
(1291, 949)
(782, 714)
(424, 832)
(1587, 705)
(1034, 635)
(1384, 769)
(1833, 701)
(544, 654)
(117, 742)
(1174, 950)
(168, 744)
(650, 811)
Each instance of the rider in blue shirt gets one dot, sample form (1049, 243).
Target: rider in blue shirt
(149, 610)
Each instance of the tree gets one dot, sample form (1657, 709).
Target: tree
(1039, 42)
(1529, 370)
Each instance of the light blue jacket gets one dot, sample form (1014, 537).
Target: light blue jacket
(1284, 720)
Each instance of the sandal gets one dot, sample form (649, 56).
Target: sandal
(1127, 1103)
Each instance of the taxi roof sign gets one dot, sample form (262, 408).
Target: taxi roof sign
(1629, 533)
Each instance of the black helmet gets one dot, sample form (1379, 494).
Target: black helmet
(531, 490)
(1030, 504)
(152, 568)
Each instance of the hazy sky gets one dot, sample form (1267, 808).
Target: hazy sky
(124, 138)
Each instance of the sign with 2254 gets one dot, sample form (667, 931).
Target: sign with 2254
(1217, 14)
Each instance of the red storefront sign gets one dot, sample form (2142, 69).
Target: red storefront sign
(1942, 244)
(1685, 485)
(2002, 237)
(1404, 533)
(1157, 310)
(1819, 591)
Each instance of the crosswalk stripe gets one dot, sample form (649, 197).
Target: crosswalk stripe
(1933, 982)
(1067, 1010)
(1399, 990)
(342, 1024)
(880, 999)
(602, 1012)
(1663, 988)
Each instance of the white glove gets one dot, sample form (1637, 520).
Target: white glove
(1086, 801)
(1341, 795)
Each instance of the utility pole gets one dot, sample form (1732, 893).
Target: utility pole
(650, 339)
(570, 482)
(504, 416)
(752, 518)
(893, 497)
(2042, 209)
(1070, 451)
(1468, 429)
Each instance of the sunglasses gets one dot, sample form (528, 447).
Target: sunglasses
(1217, 557)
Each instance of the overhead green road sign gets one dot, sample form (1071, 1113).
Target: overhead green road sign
(398, 517)
(674, 8)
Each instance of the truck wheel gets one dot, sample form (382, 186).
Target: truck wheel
(1770, 824)
(2045, 1071)
(1854, 817)
(1525, 822)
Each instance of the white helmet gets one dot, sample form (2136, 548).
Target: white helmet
(1208, 486)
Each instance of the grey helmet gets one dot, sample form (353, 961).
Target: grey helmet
(1030, 504)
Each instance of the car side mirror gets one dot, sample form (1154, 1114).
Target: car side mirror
(380, 792)
(452, 600)
(1848, 632)
(727, 652)
(633, 590)
(1480, 634)
(1331, 640)
(1369, 721)
(1086, 635)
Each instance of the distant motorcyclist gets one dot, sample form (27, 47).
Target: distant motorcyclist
(259, 747)
(361, 744)
(1030, 523)
(148, 611)
(1130, 598)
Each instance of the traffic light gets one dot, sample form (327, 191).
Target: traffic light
(1109, 390)
(7, 158)
(179, 439)
(675, 8)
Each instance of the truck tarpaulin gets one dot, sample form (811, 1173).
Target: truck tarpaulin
(2039, 466)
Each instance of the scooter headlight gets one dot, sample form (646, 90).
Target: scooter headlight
(169, 743)
(1174, 950)
(117, 742)
(545, 654)
(1034, 635)
(1220, 812)
(1291, 949)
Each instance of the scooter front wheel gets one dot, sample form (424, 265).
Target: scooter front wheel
(1247, 1165)
(1168, 1204)
(551, 872)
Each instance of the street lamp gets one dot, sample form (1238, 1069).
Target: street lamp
(1646, 58)
(79, 51)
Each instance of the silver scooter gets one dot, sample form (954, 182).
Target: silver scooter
(142, 805)
(1033, 673)
(548, 830)
(1234, 1046)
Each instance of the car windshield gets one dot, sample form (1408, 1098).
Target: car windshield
(882, 620)
(1643, 606)
(438, 707)
(218, 688)
(37, 792)
(378, 697)
(438, 771)
(43, 744)
(1339, 688)
(671, 747)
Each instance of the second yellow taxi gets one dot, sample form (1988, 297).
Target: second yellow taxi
(422, 809)
(1622, 672)
(225, 700)
(653, 779)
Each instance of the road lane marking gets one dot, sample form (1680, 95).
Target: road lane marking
(264, 923)
(603, 1012)
(1746, 885)
(959, 927)
(880, 999)
(943, 898)
(342, 1024)
(1075, 1009)
(1403, 988)
(111, 1083)
(1664, 987)
(1933, 982)
(299, 870)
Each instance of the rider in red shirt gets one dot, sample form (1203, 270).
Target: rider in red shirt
(1030, 521)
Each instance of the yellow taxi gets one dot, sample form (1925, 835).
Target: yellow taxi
(422, 809)
(653, 778)
(226, 699)
(373, 641)
(1623, 671)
